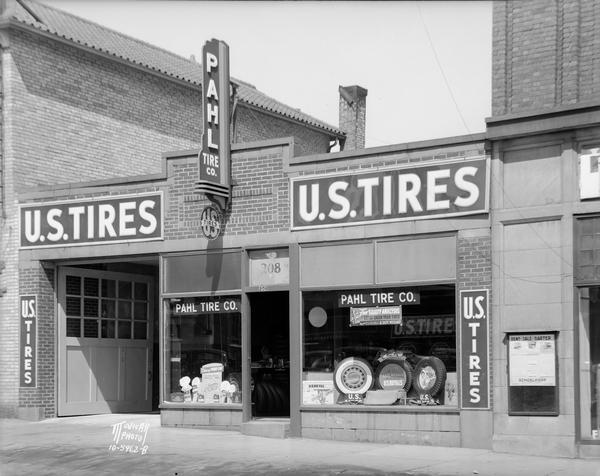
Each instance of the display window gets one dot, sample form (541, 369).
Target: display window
(392, 346)
(203, 350)
(589, 361)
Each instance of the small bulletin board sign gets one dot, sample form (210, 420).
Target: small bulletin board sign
(532, 374)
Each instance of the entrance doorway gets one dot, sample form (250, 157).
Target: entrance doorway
(270, 354)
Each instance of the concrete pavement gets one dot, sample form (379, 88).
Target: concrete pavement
(92, 445)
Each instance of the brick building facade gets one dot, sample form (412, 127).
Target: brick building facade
(82, 103)
(543, 133)
(497, 220)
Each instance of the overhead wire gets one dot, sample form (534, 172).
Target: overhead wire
(437, 60)
(504, 194)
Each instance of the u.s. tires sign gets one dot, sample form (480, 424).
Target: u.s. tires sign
(441, 189)
(108, 219)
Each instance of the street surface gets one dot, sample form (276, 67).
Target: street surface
(98, 445)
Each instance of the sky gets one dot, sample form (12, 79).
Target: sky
(426, 65)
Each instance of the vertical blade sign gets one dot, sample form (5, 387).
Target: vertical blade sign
(214, 159)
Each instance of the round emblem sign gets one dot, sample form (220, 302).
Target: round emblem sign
(211, 222)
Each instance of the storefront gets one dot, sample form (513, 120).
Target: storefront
(587, 298)
(367, 319)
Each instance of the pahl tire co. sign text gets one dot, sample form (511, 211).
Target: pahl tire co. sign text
(408, 193)
(113, 219)
(215, 154)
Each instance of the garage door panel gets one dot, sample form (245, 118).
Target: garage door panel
(106, 370)
(79, 384)
(136, 365)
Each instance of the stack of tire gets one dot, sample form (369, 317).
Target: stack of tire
(269, 399)
(356, 375)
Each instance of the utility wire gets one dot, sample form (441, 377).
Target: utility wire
(437, 60)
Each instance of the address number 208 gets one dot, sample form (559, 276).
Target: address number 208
(271, 268)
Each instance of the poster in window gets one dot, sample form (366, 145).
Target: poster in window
(317, 392)
(532, 374)
(532, 360)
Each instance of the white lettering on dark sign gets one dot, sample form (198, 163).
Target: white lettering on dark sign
(215, 153)
(427, 191)
(474, 329)
(378, 298)
(98, 220)
(216, 305)
(28, 348)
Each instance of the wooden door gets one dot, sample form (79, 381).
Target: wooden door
(104, 342)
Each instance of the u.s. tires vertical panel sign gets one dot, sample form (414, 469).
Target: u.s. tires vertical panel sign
(474, 349)
(28, 314)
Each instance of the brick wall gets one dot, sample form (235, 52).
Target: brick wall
(260, 195)
(545, 54)
(9, 278)
(85, 117)
(474, 262)
(251, 125)
(39, 280)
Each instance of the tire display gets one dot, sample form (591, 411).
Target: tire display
(269, 398)
(394, 374)
(353, 375)
(429, 376)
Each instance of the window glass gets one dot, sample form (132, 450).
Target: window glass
(73, 327)
(109, 288)
(97, 298)
(589, 361)
(393, 346)
(90, 286)
(203, 350)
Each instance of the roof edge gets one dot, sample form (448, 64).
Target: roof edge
(391, 149)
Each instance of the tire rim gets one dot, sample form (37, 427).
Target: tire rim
(427, 378)
(354, 377)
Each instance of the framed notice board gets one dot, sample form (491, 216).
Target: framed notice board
(532, 374)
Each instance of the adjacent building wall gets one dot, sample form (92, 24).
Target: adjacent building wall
(546, 100)
(533, 280)
(545, 54)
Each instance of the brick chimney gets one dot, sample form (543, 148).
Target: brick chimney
(353, 110)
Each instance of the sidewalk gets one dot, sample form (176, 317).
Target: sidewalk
(88, 445)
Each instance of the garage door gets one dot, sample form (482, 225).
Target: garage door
(105, 342)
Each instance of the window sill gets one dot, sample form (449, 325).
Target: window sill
(200, 406)
(380, 408)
